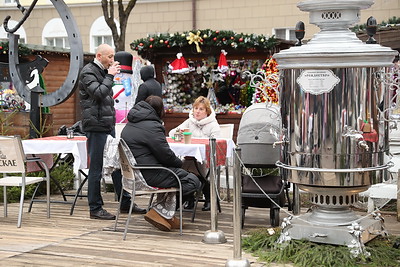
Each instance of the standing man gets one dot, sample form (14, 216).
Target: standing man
(150, 85)
(98, 121)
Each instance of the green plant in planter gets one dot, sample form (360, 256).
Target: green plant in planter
(65, 176)
(6, 121)
(43, 129)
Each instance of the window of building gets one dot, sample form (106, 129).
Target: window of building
(54, 34)
(20, 40)
(57, 41)
(284, 33)
(21, 32)
(100, 33)
(98, 40)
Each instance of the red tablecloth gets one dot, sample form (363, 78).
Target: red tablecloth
(220, 149)
(62, 137)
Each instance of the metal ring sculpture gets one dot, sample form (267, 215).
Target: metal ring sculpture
(76, 57)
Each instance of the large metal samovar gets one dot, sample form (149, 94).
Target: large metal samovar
(335, 135)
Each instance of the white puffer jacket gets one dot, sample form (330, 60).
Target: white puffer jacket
(205, 128)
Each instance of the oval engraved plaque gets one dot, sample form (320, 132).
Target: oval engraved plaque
(317, 82)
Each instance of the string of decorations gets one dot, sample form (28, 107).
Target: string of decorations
(267, 90)
(202, 38)
(28, 50)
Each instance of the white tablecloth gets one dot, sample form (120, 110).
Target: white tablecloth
(198, 151)
(76, 146)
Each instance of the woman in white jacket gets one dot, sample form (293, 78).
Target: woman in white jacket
(202, 123)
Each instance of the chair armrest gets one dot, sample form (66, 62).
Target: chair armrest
(42, 164)
(158, 167)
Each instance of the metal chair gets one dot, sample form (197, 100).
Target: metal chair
(131, 176)
(13, 161)
(118, 129)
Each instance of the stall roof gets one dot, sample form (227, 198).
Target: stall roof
(385, 36)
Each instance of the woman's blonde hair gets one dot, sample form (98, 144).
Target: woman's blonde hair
(205, 101)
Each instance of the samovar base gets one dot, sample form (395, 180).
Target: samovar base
(365, 230)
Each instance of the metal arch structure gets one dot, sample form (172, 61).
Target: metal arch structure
(76, 58)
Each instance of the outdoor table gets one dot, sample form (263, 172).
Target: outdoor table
(199, 148)
(58, 145)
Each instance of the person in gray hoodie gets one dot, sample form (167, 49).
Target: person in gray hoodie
(150, 85)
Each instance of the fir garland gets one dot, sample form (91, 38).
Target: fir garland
(22, 49)
(200, 38)
(305, 253)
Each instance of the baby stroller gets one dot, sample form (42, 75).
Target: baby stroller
(255, 138)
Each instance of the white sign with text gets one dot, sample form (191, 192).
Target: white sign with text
(317, 82)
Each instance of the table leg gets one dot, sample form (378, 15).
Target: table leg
(206, 178)
(64, 196)
(41, 200)
(52, 178)
(78, 192)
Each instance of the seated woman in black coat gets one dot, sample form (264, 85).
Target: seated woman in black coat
(145, 136)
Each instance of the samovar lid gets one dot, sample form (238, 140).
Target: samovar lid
(335, 46)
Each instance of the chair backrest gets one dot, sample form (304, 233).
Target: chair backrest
(131, 177)
(227, 130)
(12, 157)
(127, 171)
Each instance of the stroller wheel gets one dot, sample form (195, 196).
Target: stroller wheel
(274, 217)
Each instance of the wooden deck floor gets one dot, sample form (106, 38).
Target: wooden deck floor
(76, 240)
(65, 240)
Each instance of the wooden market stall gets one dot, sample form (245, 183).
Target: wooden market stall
(229, 91)
(16, 119)
(386, 36)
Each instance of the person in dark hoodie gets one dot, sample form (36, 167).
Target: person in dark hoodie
(150, 85)
(145, 135)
